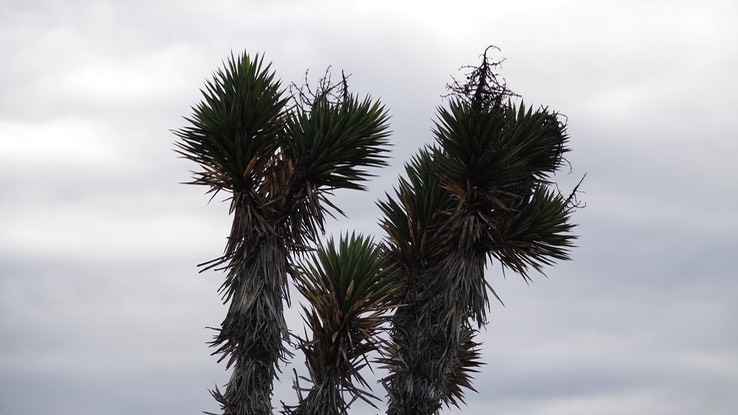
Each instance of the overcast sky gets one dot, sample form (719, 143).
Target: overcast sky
(102, 310)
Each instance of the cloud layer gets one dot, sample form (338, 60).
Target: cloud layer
(102, 310)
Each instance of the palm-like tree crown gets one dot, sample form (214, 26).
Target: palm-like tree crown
(349, 287)
(280, 160)
(481, 192)
(280, 163)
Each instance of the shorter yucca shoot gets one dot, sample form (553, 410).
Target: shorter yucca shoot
(349, 287)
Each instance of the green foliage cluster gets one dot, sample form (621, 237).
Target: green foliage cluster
(482, 192)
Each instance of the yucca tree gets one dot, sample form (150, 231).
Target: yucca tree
(349, 286)
(482, 192)
(279, 160)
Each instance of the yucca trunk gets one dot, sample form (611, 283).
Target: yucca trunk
(434, 361)
(425, 359)
(433, 351)
(324, 399)
(251, 336)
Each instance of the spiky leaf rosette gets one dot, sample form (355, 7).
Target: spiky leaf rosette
(233, 131)
(349, 287)
(333, 141)
(414, 214)
(497, 163)
(329, 146)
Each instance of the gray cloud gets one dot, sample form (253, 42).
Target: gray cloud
(101, 306)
